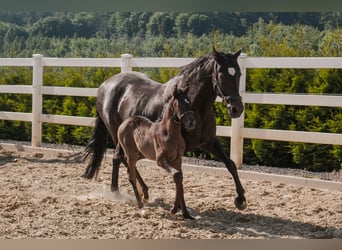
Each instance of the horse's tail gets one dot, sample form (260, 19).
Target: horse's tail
(96, 148)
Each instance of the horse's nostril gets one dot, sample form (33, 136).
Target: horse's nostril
(191, 125)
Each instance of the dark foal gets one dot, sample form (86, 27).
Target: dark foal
(161, 141)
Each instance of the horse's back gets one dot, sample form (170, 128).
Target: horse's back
(124, 95)
(126, 80)
(128, 94)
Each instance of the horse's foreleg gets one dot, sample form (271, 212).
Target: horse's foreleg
(217, 151)
(179, 200)
(162, 162)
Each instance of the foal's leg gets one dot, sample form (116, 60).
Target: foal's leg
(143, 186)
(179, 201)
(216, 149)
(115, 175)
(117, 159)
(178, 179)
(132, 177)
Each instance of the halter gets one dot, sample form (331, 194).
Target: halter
(186, 112)
(177, 119)
(219, 91)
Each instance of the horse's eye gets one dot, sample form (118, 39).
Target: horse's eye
(231, 71)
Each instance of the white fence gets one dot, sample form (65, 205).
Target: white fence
(236, 131)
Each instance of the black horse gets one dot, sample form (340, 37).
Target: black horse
(132, 93)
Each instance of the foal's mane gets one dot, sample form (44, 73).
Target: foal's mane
(165, 108)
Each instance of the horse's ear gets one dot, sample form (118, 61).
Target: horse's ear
(214, 50)
(215, 53)
(174, 90)
(237, 53)
(217, 56)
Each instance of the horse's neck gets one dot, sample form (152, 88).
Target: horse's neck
(202, 94)
(201, 89)
(154, 108)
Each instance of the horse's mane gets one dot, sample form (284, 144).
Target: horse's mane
(200, 65)
(195, 72)
(165, 107)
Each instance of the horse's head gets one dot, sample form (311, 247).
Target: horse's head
(226, 79)
(181, 107)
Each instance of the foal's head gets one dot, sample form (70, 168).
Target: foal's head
(181, 109)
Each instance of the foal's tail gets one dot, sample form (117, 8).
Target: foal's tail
(96, 148)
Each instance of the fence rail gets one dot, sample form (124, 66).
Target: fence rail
(236, 131)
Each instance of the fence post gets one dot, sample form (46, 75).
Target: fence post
(126, 62)
(37, 100)
(236, 141)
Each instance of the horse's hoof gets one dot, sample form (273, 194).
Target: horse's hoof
(175, 210)
(142, 212)
(240, 205)
(188, 217)
(114, 189)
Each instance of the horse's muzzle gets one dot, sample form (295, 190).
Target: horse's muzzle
(188, 120)
(235, 106)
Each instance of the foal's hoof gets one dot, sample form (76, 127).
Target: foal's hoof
(241, 205)
(143, 213)
(186, 215)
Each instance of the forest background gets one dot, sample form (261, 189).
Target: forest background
(186, 34)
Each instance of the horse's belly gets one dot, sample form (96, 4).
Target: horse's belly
(147, 150)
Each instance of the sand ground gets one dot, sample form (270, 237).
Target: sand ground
(44, 196)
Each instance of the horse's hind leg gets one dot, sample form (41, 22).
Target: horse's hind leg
(117, 159)
(115, 175)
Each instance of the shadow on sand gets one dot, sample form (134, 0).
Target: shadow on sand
(224, 223)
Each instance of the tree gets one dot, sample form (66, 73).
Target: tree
(160, 24)
(181, 24)
(54, 26)
(199, 24)
(86, 24)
